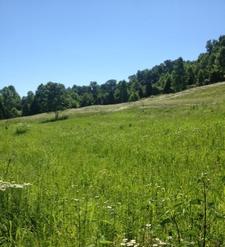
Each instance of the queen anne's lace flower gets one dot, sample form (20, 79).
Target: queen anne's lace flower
(7, 185)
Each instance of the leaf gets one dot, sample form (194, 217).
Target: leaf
(165, 221)
(196, 201)
(106, 222)
(105, 242)
(211, 205)
(223, 179)
(178, 204)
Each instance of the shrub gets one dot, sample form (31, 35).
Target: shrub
(21, 128)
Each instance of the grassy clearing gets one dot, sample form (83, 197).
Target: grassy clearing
(153, 173)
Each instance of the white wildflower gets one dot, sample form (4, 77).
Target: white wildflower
(161, 243)
(27, 184)
(129, 244)
(12, 185)
(148, 225)
(133, 241)
(16, 186)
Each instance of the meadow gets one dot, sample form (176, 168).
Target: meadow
(149, 173)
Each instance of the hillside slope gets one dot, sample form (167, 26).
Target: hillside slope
(212, 94)
(150, 172)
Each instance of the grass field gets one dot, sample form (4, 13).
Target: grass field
(150, 173)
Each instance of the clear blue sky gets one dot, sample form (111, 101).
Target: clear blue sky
(78, 41)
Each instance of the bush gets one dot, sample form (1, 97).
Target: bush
(21, 128)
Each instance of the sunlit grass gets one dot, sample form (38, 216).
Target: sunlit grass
(138, 176)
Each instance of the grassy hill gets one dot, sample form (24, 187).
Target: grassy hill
(151, 172)
(211, 94)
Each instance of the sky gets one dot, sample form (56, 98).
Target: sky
(78, 41)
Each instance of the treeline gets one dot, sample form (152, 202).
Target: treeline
(169, 76)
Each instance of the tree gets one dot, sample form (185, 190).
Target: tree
(200, 77)
(51, 98)
(10, 101)
(134, 96)
(147, 89)
(2, 113)
(215, 76)
(222, 41)
(56, 97)
(209, 46)
(167, 85)
(121, 92)
(108, 89)
(87, 99)
(220, 59)
(41, 99)
(135, 90)
(168, 64)
(27, 104)
(72, 99)
(190, 76)
(178, 81)
(95, 91)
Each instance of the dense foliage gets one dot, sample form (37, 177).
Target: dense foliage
(169, 76)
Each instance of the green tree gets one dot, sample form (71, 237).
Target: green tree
(178, 75)
(87, 99)
(51, 98)
(94, 91)
(134, 96)
(10, 101)
(209, 46)
(2, 113)
(135, 90)
(72, 99)
(220, 59)
(27, 104)
(108, 90)
(215, 76)
(147, 89)
(41, 99)
(56, 97)
(200, 77)
(167, 85)
(121, 92)
(190, 76)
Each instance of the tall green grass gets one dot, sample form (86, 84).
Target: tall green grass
(140, 177)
